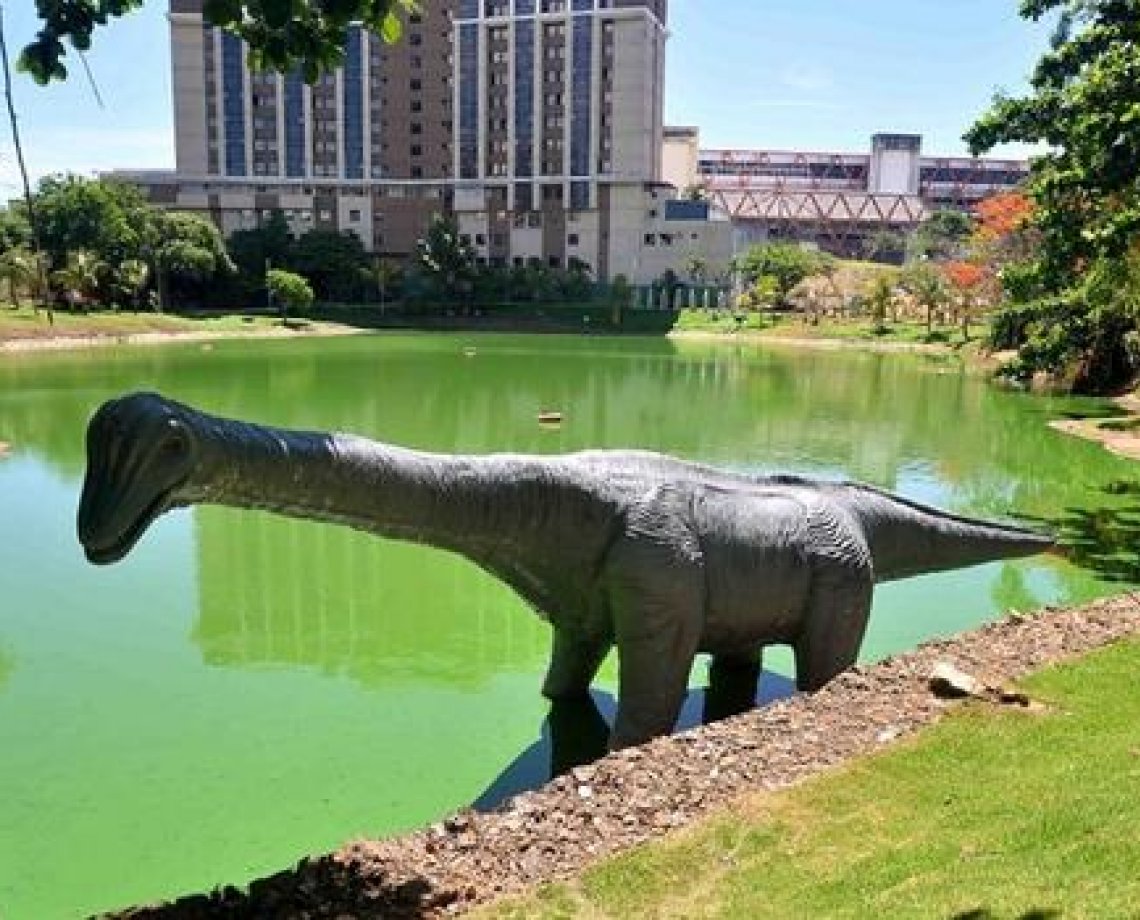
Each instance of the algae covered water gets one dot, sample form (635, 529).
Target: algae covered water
(245, 689)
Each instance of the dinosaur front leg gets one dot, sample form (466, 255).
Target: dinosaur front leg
(838, 608)
(653, 677)
(574, 661)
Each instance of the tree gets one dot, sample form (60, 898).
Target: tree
(281, 33)
(387, 275)
(78, 280)
(129, 280)
(334, 262)
(19, 270)
(669, 284)
(885, 246)
(187, 252)
(447, 258)
(927, 285)
(289, 291)
(786, 263)
(1085, 189)
(621, 298)
(253, 251)
(103, 217)
(943, 235)
(881, 299)
(15, 231)
(967, 280)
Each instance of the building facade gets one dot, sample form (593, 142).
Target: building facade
(538, 123)
(836, 200)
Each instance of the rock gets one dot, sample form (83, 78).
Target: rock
(947, 682)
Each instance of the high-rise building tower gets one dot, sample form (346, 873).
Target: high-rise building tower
(538, 122)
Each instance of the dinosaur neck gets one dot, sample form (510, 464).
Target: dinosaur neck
(443, 501)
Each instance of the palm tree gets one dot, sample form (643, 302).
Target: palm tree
(19, 270)
(386, 274)
(131, 278)
(79, 279)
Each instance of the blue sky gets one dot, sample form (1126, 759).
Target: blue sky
(783, 74)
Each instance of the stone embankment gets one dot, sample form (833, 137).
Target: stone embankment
(638, 794)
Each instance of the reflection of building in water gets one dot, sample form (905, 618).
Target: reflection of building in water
(283, 592)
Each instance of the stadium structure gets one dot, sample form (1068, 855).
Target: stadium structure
(838, 201)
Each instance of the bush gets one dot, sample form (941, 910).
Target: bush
(289, 291)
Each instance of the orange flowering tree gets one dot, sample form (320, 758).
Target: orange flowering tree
(968, 282)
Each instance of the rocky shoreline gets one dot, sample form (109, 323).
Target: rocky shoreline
(642, 793)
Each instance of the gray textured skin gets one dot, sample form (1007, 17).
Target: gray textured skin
(661, 557)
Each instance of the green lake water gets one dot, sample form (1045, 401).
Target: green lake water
(245, 689)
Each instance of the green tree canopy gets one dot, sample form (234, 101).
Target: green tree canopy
(253, 251)
(281, 33)
(785, 263)
(943, 235)
(446, 257)
(334, 262)
(289, 290)
(104, 217)
(1084, 107)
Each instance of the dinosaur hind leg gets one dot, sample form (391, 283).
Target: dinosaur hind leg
(573, 663)
(836, 618)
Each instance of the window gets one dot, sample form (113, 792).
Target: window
(572, 239)
(354, 215)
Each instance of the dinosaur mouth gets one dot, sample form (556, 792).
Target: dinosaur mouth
(113, 551)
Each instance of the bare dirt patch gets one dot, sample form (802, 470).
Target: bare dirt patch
(638, 794)
(1120, 435)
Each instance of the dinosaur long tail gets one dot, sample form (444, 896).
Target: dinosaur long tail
(907, 538)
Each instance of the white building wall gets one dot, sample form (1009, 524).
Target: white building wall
(188, 84)
(636, 128)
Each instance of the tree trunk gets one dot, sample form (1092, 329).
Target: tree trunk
(33, 220)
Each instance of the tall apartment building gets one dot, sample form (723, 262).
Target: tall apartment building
(537, 122)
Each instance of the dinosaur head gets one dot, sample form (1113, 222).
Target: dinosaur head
(140, 450)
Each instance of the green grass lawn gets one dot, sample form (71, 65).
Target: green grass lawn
(784, 325)
(25, 323)
(989, 814)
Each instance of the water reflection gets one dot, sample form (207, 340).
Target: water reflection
(576, 732)
(293, 593)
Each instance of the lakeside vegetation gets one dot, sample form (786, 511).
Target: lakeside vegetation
(989, 814)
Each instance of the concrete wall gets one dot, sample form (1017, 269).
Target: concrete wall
(188, 86)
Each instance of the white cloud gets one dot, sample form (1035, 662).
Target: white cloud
(85, 150)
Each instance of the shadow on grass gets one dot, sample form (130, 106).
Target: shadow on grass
(1104, 541)
(982, 913)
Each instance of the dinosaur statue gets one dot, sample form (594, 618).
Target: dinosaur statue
(660, 557)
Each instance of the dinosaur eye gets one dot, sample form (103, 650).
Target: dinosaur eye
(175, 444)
